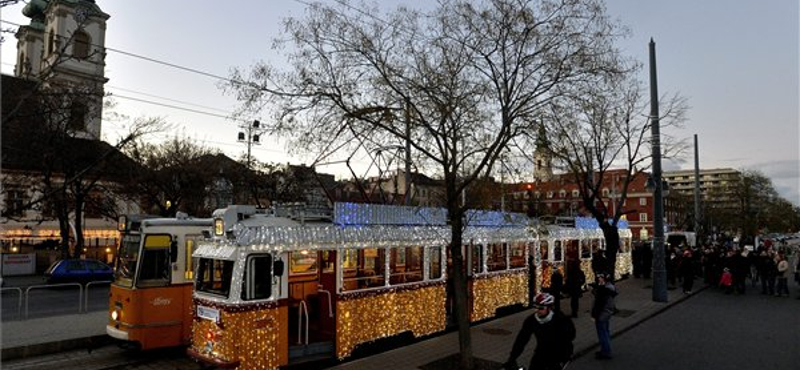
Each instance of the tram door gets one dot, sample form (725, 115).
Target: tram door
(312, 283)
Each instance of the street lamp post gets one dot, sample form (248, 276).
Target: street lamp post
(659, 255)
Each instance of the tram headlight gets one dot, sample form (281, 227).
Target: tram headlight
(115, 315)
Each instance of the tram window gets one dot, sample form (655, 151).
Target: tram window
(476, 255)
(435, 268)
(328, 261)
(626, 245)
(586, 248)
(257, 282)
(214, 276)
(190, 244)
(517, 255)
(155, 261)
(349, 258)
(544, 249)
(127, 258)
(369, 271)
(407, 270)
(558, 252)
(496, 257)
(303, 262)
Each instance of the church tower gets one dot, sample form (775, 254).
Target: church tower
(63, 47)
(543, 160)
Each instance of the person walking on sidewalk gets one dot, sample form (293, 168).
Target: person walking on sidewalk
(554, 335)
(602, 309)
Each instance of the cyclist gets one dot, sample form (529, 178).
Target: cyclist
(554, 335)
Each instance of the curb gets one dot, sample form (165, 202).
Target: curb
(33, 350)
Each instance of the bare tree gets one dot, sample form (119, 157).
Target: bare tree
(463, 85)
(604, 126)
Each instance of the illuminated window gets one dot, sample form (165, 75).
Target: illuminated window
(516, 255)
(558, 252)
(303, 262)
(496, 257)
(368, 272)
(435, 268)
(406, 265)
(476, 257)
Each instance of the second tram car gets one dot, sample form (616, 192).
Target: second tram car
(150, 298)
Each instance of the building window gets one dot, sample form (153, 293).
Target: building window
(15, 200)
(643, 217)
(605, 192)
(51, 43)
(642, 201)
(575, 193)
(562, 194)
(77, 116)
(80, 45)
(549, 194)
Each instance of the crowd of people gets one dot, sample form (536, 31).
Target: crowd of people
(724, 265)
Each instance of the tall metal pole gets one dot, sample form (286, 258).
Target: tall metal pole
(697, 215)
(407, 198)
(659, 255)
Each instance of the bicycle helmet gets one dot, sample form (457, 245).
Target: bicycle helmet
(543, 300)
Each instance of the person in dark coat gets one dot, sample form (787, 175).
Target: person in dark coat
(574, 285)
(554, 335)
(602, 309)
(556, 287)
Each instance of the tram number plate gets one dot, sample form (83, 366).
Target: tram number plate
(208, 313)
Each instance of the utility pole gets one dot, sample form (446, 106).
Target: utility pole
(659, 255)
(697, 216)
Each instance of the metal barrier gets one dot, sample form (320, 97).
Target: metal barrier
(19, 303)
(86, 296)
(32, 287)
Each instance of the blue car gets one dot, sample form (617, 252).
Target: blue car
(78, 271)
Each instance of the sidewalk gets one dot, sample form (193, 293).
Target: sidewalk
(33, 337)
(492, 340)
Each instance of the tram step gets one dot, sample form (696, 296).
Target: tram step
(312, 351)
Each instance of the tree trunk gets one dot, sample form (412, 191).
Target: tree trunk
(611, 233)
(460, 291)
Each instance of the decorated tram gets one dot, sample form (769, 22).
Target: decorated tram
(272, 290)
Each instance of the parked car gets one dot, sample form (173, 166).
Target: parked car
(78, 271)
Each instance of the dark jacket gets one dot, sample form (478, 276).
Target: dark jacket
(553, 340)
(604, 305)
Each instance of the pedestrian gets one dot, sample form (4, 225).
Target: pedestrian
(726, 280)
(602, 309)
(767, 272)
(574, 285)
(782, 277)
(687, 271)
(556, 286)
(554, 335)
(671, 266)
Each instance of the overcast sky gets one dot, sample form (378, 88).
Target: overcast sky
(736, 61)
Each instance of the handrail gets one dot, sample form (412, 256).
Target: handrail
(86, 297)
(27, 293)
(302, 309)
(19, 304)
(330, 299)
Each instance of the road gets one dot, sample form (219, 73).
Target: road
(711, 331)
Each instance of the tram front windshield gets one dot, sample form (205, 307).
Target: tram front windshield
(127, 258)
(214, 276)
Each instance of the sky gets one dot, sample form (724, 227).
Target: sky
(736, 62)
